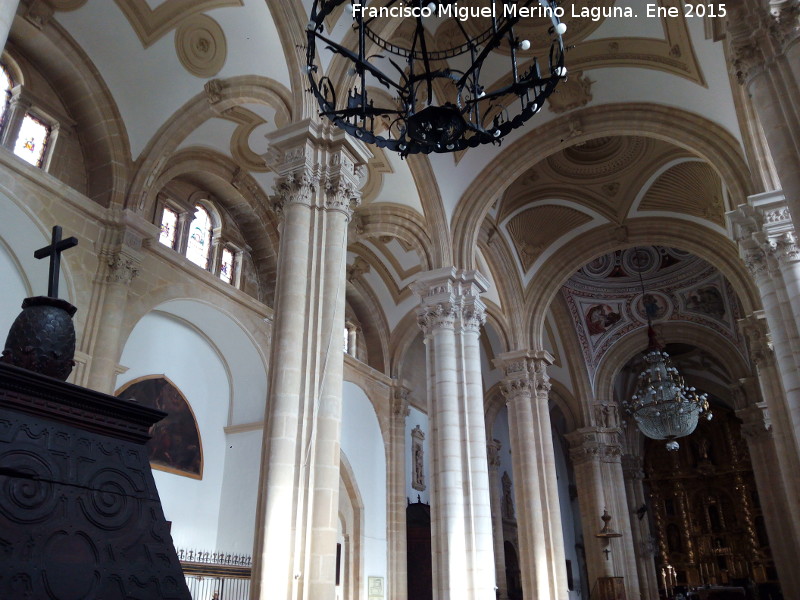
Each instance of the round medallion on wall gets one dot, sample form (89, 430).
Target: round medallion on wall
(200, 45)
(654, 305)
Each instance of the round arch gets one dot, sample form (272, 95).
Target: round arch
(679, 332)
(213, 101)
(712, 247)
(98, 123)
(687, 130)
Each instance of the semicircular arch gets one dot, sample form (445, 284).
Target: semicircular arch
(714, 248)
(708, 140)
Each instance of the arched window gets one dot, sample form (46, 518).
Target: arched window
(31, 144)
(198, 247)
(198, 234)
(25, 129)
(226, 265)
(6, 83)
(169, 227)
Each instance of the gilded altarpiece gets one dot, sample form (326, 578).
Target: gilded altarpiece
(705, 510)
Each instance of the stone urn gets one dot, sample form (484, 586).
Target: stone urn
(42, 338)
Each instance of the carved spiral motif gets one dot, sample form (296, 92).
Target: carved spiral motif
(113, 503)
(30, 490)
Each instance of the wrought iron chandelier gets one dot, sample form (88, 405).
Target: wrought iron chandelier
(437, 100)
(663, 406)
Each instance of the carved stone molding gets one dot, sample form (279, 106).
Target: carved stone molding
(122, 268)
(358, 269)
(38, 13)
(756, 262)
(213, 89)
(759, 340)
(573, 93)
(632, 466)
(594, 445)
(605, 415)
(201, 46)
(400, 402)
(756, 422)
(317, 167)
(493, 453)
(747, 59)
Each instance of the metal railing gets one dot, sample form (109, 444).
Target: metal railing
(216, 576)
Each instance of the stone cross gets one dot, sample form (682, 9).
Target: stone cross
(54, 250)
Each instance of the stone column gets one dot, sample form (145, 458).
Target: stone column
(18, 106)
(541, 539)
(496, 492)
(643, 541)
(450, 315)
(319, 171)
(596, 457)
(396, 497)
(8, 8)
(119, 263)
(763, 54)
(777, 501)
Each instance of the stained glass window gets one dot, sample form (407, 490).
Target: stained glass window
(199, 237)
(32, 140)
(169, 224)
(6, 84)
(226, 266)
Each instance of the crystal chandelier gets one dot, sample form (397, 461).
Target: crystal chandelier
(437, 100)
(663, 406)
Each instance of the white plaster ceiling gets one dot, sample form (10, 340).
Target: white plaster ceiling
(150, 85)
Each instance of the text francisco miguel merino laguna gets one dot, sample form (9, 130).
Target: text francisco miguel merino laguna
(462, 13)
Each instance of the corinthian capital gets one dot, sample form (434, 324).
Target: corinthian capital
(297, 187)
(341, 195)
(450, 298)
(526, 373)
(756, 262)
(438, 316)
(784, 248)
